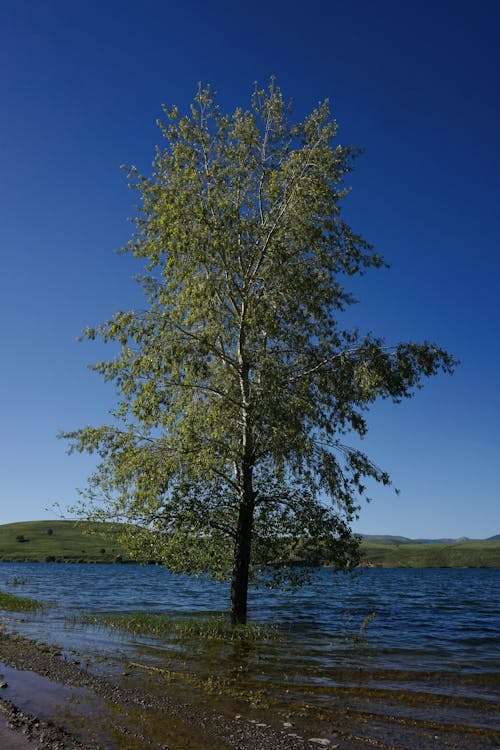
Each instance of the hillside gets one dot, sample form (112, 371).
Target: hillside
(436, 554)
(57, 541)
(67, 541)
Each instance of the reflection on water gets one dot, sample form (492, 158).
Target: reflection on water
(37, 695)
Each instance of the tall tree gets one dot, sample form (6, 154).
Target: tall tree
(237, 383)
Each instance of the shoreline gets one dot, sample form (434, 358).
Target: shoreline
(184, 724)
(58, 704)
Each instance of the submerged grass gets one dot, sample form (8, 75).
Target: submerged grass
(215, 627)
(205, 638)
(18, 603)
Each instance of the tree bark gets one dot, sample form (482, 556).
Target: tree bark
(241, 562)
(243, 544)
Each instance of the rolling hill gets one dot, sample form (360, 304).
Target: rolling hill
(388, 553)
(58, 541)
(68, 541)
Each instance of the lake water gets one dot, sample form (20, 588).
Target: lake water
(430, 654)
(425, 619)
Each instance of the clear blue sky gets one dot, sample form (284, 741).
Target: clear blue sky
(415, 83)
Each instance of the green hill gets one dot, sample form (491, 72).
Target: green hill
(453, 554)
(68, 541)
(58, 541)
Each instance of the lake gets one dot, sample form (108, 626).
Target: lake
(365, 637)
(425, 618)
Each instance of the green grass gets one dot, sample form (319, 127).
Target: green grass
(216, 627)
(68, 542)
(468, 554)
(57, 541)
(18, 603)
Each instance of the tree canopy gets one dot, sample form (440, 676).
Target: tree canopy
(237, 383)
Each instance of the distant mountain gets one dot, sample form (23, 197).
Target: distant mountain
(386, 539)
(444, 540)
(493, 538)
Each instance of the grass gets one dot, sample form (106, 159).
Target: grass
(18, 603)
(201, 660)
(58, 541)
(66, 541)
(468, 554)
(216, 627)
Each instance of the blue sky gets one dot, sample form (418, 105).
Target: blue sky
(415, 84)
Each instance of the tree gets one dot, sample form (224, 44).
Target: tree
(236, 383)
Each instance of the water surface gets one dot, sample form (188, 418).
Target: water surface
(435, 631)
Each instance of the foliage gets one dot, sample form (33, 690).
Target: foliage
(237, 383)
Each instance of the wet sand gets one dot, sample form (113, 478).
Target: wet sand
(50, 702)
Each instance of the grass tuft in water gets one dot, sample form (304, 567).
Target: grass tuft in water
(370, 618)
(216, 627)
(19, 603)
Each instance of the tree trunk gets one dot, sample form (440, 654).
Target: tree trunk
(242, 549)
(243, 543)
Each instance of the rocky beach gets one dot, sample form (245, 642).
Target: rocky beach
(176, 724)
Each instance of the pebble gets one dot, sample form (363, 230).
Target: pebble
(321, 741)
(3, 685)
